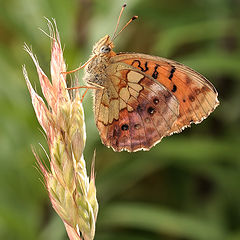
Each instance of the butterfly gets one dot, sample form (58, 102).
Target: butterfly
(139, 98)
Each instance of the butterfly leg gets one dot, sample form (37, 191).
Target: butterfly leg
(83, 66)
(87, 88)
(84, 95)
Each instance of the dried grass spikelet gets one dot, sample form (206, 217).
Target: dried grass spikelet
(72, 193)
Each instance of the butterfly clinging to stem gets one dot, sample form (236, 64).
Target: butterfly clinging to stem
(139, 99)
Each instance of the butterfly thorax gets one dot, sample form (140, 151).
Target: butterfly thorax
(95, 71)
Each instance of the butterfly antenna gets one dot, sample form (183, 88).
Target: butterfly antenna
(119, 17)
(133, 18)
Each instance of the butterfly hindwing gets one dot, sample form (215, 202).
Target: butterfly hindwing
(137, 113)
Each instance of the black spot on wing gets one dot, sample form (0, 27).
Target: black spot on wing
(155, 73)
(139, 65)
(140, 108)
(125, 127)
(151, 110)
(174, 89)
(156, 101)
(146, 67)
(171, 73)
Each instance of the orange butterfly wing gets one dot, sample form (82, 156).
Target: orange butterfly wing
(148, 98)
(197, 97)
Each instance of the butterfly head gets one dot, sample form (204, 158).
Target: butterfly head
(103, 47)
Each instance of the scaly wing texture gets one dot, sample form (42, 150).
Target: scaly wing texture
(147, 98)
(196, 95)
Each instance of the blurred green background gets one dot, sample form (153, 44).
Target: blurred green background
(185, 188)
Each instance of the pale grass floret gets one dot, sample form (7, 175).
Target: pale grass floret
(72, 193)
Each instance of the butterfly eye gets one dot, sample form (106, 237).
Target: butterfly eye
(105, 49)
